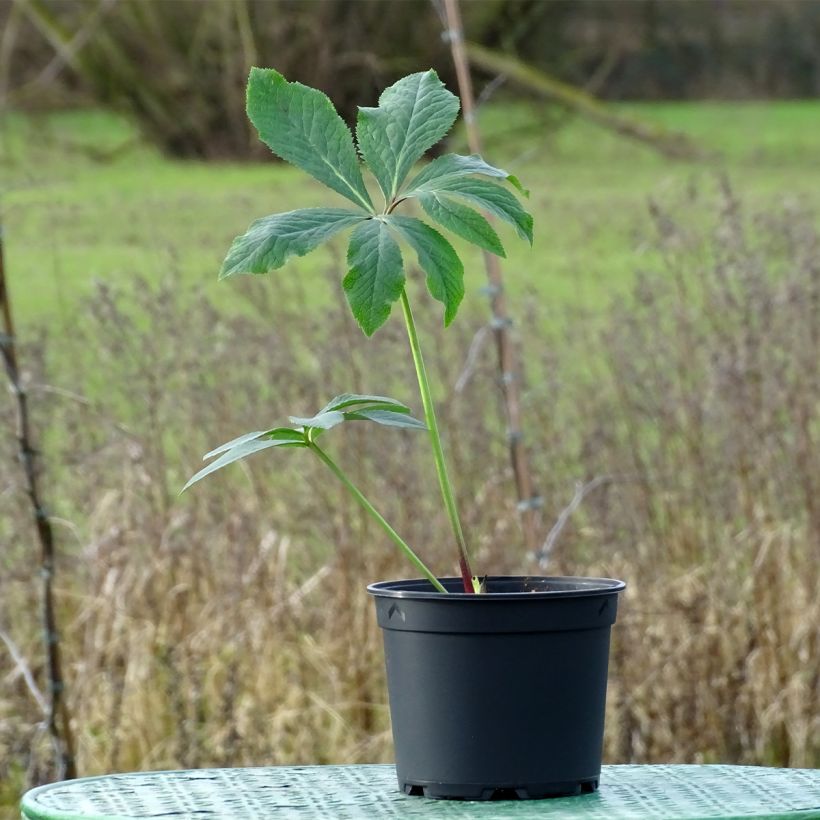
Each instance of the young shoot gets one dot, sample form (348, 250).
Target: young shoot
(301, 126)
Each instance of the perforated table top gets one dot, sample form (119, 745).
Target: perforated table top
(348, 792)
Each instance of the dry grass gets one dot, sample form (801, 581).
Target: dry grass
(231, 627)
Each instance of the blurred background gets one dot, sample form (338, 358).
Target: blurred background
(666, 322)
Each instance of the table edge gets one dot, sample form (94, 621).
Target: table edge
(29, 812)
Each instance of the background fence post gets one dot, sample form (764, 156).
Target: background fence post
(509, 371)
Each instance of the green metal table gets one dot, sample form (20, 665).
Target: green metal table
(348, 792)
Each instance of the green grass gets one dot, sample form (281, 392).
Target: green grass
(72, 219)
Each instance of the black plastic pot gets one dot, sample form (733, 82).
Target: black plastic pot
(499, 695)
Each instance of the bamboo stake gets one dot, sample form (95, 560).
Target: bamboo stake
(507, 361)
(57, 718)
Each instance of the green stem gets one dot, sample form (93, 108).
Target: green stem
(435, 438)
(359, 496)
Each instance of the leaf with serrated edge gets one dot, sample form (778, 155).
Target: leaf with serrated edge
(438, 259)
(413, 115)
(300, 125)
(451, 166)
(324, 420)
(463, 221)
(376, 276)
(269, 241)
(389, 418)
(493, 198)
(351, 399)
(239, 452)
(279, 433)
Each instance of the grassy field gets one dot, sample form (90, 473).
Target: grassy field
(73, 217)
(672, 356)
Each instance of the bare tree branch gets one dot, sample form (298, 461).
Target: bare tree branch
(65, 51)
(7, 42)
(670, 143)
(581, 492)
(472, 358)
(490, 89)
(24, 670)
(509, 371)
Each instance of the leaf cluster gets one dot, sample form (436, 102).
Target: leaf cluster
(304, 432)
(300, 125)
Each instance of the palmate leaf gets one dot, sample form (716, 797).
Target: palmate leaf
(413, 115)
(378, 409)
(376, 276)
(300, 125)
(269, 241)
(462, 220)
(438, 259)
(451, 166)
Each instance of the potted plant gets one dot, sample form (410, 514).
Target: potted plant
(496, 685)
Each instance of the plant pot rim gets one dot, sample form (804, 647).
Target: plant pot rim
(558, 586)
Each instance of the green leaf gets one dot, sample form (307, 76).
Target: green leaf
(389, 418)
(438, 259)
(450, 166)
(492, 198)
(462, 220)
(413, 115)
(352, 399)
(300, 125)
(278, 433)
(238, 452)
(376, 277)
(271, 240)
(379, 409)
(235, 442)
(323, 421)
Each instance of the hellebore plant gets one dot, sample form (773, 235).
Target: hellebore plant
(300, 125)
